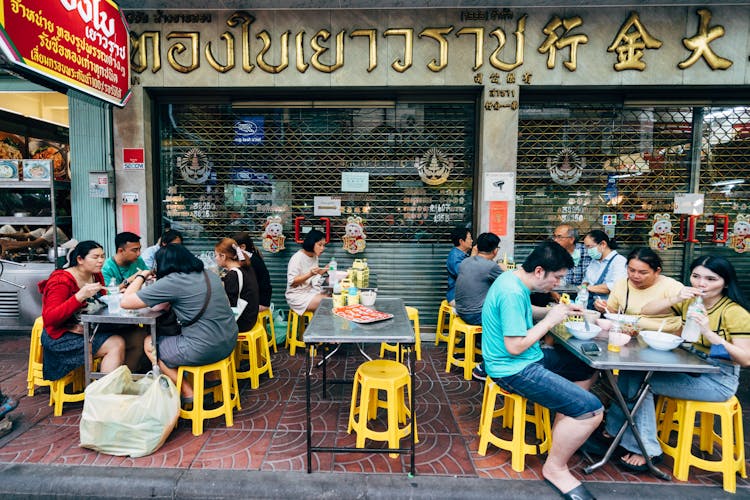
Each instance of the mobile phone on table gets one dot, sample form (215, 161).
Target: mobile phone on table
(591, 349)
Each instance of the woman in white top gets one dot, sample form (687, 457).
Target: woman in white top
(606, 267)
(304, 275)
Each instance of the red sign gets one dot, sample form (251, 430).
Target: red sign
(499, 218)
(132, 155)
(83, 44)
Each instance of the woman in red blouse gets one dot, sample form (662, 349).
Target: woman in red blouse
(65, 295)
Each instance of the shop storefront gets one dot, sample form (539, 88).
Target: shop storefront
(393, 126)
(57, 60)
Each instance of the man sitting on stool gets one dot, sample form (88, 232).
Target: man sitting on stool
(553, 378)
(461, 238)
(475, 276)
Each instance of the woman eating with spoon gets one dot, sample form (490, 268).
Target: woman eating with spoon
(643, 285)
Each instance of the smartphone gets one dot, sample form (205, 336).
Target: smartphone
(591, 349)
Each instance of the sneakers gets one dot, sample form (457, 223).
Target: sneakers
(7, 404)
(478, 373)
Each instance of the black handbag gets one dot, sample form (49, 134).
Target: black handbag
(167, 324)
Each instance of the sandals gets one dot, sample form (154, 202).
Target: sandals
(656, 460)
(578, 493)
(8, 405)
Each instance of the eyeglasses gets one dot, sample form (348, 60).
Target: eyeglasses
(560, 236)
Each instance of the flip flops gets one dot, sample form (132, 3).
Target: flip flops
(578, 493)
(656, 460)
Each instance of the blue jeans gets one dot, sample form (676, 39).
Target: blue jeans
(549, 382)
(714, 387)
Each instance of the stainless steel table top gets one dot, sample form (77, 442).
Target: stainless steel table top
(635, 355)
(327, 327)
(135, 317)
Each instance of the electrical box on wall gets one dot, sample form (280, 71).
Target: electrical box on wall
(101, 184)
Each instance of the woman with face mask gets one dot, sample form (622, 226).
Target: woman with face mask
(606, 267)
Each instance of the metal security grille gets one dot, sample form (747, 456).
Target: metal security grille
(229, 167)
(578, 164)
(725, 181)
(630, 162)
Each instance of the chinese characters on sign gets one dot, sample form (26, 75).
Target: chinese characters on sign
(563, 38)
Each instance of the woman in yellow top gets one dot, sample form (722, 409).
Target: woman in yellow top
(644, 285)
(724, 323)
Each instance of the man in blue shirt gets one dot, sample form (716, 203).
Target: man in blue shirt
(554, 378)
(566, 236)
(462, 242)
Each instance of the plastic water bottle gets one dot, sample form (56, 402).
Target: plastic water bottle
(113, 297)
(691, 332)
(332, 267)
(583, 296)
(112, 288)
(352, 297)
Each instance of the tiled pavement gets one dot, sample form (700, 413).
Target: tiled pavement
(269, 432)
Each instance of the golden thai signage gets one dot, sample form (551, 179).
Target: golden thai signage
(81, 44)
(630, 41)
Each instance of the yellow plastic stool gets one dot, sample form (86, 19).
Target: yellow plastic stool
(413, 314)
(679, 415)
(391, 377)
(253, 347)
(229, 395)
(266, 319)
(445, 308)
(57, 394)
(514, 416)
(470, 332)
(295, 327)
(35, 375)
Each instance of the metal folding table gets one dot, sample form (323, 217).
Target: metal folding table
(327, 328)
(634, 356)
(145, 317)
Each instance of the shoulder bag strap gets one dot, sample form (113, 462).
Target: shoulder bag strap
(604, 272)
(240, 279)
(205, 304)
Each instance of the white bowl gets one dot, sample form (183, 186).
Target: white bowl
(367, 298)
(604, 324)
(578, 330)
(622, 318)
(618, 339)
(660, 341)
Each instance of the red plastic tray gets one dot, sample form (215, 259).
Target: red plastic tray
(361, 314)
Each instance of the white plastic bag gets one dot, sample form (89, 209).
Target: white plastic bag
(122, 416)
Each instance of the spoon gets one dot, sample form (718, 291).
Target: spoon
(586, 323)
(663, 322)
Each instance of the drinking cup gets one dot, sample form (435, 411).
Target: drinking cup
(612, 344)
(113, 303)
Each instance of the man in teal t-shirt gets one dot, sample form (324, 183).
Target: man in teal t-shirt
(553, 377)
(126, 261)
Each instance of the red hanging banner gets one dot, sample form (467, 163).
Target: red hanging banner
(82, 44)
